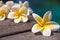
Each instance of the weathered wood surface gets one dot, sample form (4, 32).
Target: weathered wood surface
(7, 27)
(31, 36)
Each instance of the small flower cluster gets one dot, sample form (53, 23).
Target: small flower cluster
(16, 11)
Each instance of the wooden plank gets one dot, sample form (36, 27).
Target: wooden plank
(31, 36)
(7, 27)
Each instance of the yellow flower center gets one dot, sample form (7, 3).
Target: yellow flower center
(19, 13)
(38, 26)
(45, 27)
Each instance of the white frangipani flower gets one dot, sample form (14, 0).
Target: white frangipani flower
(9, 4)
(44, 25)
(19, 15)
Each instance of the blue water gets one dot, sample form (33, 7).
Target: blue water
(41, 6)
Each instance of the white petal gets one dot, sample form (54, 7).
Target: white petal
(1, 19)
(10, 15)
(26, 4)
(29, 11)
(17, 20)
(46, 32)
(35, 29)
(10, 3)
(24, 19)
(37, 18)
(55, 26)
(47, 16)
(15, 7)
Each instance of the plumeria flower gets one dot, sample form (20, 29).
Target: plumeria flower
(44, 25)
(19, 15)
(3, 13)
(9, 4)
